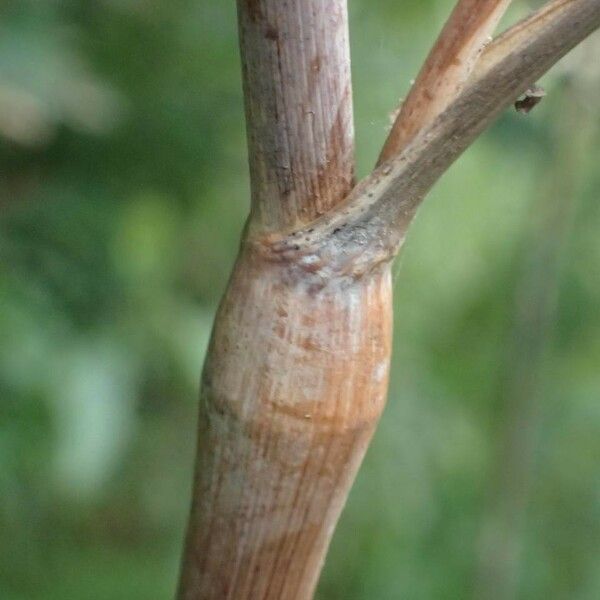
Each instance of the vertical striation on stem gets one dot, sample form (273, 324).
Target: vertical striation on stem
(296, 72)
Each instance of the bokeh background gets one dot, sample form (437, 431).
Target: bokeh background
(123, 190)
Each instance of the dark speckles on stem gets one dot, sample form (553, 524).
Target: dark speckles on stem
(254, 10)
(271, 33)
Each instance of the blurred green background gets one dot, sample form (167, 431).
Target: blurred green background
(123, 190)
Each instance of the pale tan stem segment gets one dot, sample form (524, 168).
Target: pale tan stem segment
(296, 73)
(293, 387)
(445, 71)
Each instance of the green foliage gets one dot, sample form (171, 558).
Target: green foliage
(124, 188)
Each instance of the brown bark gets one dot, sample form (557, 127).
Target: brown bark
(293, 387)
(446, 69)
(296, 373)
(296, 71)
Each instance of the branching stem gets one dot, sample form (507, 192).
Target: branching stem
(447, 68)
(369, 226)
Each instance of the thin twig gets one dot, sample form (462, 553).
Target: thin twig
(446, 69)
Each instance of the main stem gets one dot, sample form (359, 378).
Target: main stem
(297, 89)
(296, 374)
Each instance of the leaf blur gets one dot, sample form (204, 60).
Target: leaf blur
(123, 191)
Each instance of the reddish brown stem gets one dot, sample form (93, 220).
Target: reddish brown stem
(296, 70)
(445, 71)
(296, 374)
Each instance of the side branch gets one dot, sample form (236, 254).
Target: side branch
(369, 227)
(445, 71)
